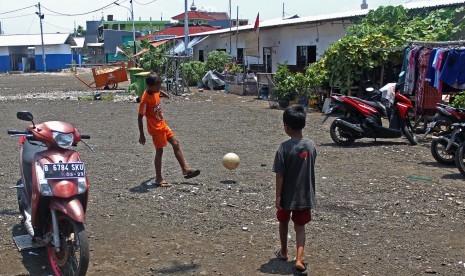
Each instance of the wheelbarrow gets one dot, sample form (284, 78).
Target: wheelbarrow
(106, 77)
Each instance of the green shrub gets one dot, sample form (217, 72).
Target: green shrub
(285, 84)
(459, 100)
(218, 60)
(193, 72)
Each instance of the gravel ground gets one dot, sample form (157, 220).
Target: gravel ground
(384, 208)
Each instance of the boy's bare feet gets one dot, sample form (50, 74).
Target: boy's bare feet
(162, 183)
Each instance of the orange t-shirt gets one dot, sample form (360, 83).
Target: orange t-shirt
(150, 107)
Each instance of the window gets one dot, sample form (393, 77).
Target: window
(240, 55)
(114, 27)
(305, 55)
(99, 51)
(122, 27)
(221, 50)
(201, 56)
(105, 26)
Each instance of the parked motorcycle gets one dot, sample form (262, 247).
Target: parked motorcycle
(53, 192)
(460, 152)
(443, 146)
(363, 119)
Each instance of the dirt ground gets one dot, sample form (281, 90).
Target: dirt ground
(384, 208)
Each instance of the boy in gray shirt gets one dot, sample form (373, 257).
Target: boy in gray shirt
(294, 166)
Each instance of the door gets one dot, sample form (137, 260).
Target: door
(267, 60)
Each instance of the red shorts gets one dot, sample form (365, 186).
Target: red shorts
(160, 139)
(299, 217)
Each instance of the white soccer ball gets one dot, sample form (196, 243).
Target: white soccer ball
(231, 161)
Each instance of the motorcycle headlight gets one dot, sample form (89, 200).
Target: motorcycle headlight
(45, 189)
(64, 140)
(82, 185)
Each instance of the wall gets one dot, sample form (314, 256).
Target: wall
(4, 59)
(115, 38)
(57, 57)
(282, 40)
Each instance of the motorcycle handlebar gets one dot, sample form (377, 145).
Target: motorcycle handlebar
(85, 136)
(17, 132)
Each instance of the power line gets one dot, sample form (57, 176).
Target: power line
(56, 26)
(17, 10)
(143, 4)
(11, 17)
(84, 13)
(33, 18)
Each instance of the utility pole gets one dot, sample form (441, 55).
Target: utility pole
(133, 27)
(186, 28)
(41, 16)
(230, 28)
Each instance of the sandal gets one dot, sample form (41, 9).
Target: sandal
(164, 184)
(192, 174)
(280, 256)
(299, 271)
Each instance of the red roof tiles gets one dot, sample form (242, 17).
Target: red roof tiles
(194, 15)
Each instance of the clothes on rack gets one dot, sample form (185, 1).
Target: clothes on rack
(453, 72)
(430, 72)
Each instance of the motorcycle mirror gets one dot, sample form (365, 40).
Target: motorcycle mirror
(25, 116)
(401, 74)
(370, 89)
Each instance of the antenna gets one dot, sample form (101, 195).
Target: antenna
(283, 11)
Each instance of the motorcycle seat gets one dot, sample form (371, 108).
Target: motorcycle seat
(376, 105)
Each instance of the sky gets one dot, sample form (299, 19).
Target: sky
(27, 22)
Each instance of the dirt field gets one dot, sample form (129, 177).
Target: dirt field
(384, 208)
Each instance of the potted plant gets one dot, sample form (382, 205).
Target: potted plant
(302, 87)
(284, 90)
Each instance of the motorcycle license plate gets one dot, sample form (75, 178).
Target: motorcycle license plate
(64, 170)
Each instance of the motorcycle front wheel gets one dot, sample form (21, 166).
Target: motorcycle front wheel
(339, 136)
(73, 257)
(408, 132)
(437, 150)
(460, 158)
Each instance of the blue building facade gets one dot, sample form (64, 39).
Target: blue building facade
(24, 52)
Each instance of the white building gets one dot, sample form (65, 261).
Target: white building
(298, 41)
(24, 52)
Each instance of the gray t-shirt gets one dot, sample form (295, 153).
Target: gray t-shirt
(295, 160)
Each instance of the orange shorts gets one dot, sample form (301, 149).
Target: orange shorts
(160, 139)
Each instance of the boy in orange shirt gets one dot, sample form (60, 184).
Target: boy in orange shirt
(150, 107)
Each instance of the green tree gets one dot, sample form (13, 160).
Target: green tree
(80, 30)
(361, 50)
(155, 58)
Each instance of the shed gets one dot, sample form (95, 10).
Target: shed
(23, 52)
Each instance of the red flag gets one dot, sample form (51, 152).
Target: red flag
(256, 27)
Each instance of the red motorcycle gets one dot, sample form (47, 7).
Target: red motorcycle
(363, 119)
(53, 192)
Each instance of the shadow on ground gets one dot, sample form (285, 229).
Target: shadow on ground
(365, 144)
(176, 268)
(34, 260)
(278, 267)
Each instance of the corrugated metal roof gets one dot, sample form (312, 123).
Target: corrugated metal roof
(333, 16)
(79, 42)
(97, 44)
(34, 39)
